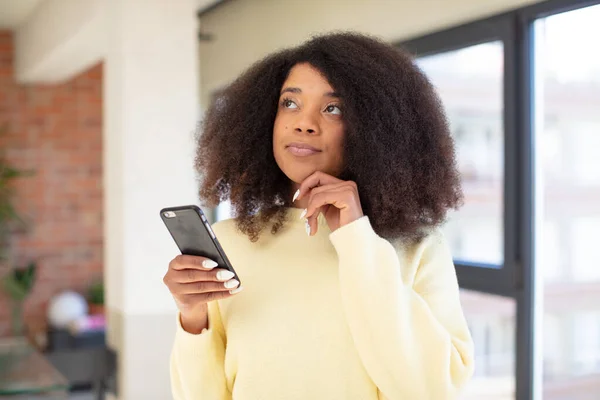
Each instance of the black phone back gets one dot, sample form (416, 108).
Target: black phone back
(193, 235)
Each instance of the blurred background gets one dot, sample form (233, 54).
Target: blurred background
(99, 105)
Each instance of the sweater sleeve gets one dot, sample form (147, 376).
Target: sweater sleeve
(197, 361)
(412, 338)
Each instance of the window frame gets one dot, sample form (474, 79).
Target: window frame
(517, 276)
(474, 275)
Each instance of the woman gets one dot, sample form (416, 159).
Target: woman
(337, 159)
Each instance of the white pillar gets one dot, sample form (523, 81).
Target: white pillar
(150, 114)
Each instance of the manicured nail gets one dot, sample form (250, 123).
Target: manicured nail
(232, 283)
(225, 275)
(209, 264)
(307, 227)
(303, 213)
(296, 195)
(237, 290)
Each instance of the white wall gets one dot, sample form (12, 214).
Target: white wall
(150, 115)
(246, 30)
(151, 111)
(58, 39)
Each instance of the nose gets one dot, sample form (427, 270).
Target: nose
(306, 123)
(309, 130)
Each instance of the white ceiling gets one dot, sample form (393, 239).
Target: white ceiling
(14, 12)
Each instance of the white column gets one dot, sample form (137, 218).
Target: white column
(150, 116)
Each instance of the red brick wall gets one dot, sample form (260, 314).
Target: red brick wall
(55, 130)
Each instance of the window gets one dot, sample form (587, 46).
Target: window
(586, 343)
(554, 338)
(491, 320)
(567, 139)
(522, 93)
(551, 264)
(470, 84)
(584, 235)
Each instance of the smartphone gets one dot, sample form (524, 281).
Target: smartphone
(193, 234)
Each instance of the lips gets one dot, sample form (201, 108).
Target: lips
(302, 149)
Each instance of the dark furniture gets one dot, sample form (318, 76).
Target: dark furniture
(84, 360)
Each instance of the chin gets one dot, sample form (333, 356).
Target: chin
(297, 171)
(298, 174)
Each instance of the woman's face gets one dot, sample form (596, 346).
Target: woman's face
(308, 132)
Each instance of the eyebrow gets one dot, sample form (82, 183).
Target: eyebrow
(298, 91)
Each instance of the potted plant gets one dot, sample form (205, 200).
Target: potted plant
(96, 298)
(18, 284)
(18, 281)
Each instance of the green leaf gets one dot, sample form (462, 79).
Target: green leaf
(96, 293)
(19, 281)
(29, 278)
(14, 289)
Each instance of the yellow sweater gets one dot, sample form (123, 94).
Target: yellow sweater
(336, 316)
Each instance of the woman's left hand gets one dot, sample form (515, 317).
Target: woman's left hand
(338, 200)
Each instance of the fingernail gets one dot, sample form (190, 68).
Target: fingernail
(231, 284)
(209, 264)
(303, 213)
(225, 275)
(296, 195)
(307, 227)
(237, 290)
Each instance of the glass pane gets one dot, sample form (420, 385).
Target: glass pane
(491, 320)
(470, 84)
(567, 115)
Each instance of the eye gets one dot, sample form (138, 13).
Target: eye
(333, 109)
(288, 103)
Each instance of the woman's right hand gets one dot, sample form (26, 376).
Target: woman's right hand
(194, 281)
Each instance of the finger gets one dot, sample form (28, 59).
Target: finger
(313, 221)
(205, 287)
(331, 186)
(191, 300)
(316, 179)
(195, 275)
(313, 224)
(337, 197)
(313, 215)
(184, 261)
(190, 275)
